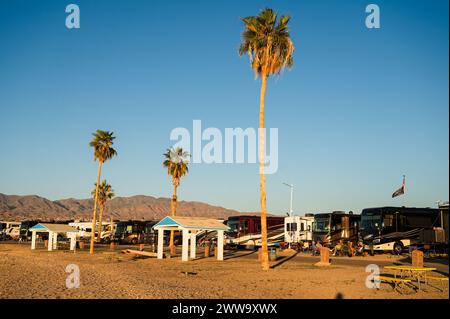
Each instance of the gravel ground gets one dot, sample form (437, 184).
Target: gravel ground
(41, 274)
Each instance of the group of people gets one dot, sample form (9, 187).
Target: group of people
(340, 249)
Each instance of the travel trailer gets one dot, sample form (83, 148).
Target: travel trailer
(245, 231)
(331, 228)
(396, 228)
(298, 230)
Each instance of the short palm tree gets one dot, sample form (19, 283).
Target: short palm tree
(176, 162)
(101, 142)
(267, 42)
(105, 192)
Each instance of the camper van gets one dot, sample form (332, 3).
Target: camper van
(331, 228)
(298, 230)
(395, 228)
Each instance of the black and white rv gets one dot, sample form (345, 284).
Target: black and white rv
(395, 228)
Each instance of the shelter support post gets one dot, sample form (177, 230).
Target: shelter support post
(33, 240)
(193, 245)
(73, 240)
(160, 243)
(55, 240)
(50, 241)
(185, 250)
(220, 245)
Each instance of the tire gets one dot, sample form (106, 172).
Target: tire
(398, 248)
(250, 245)
(134, 241)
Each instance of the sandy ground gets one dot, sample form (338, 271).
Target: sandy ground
(41, 274)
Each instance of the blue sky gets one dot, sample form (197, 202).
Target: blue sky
(359, 109)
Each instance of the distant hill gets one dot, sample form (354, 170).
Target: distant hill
(16, 208)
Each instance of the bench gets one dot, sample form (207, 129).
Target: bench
(438, 279)
(398, 282)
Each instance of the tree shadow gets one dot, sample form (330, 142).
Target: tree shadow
(233, 255)
(285, 259)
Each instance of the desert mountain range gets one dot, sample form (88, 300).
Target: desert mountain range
(17, 208)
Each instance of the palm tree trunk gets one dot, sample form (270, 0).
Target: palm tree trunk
(94, 213)
(262, 178)
(174, 213)
(102, 209)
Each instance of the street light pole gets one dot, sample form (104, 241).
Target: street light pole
(292, 194)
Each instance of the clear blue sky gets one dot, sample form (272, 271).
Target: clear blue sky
(359, 109)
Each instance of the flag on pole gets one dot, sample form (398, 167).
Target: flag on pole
(401, 190)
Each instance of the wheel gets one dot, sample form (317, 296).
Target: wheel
(398, 248)
(134, 241)
(250, 245)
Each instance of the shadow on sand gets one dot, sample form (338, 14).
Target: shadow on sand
(283, 260)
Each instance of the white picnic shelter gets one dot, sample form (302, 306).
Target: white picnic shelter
(53, 230)
(190, 226)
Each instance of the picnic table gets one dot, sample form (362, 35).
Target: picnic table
(411, 272)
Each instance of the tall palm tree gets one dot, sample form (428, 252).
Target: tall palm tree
(105, 192)
(101, 142)
(176, 161)
(267, 42)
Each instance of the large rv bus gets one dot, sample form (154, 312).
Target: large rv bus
(395, 228)
(331, 228)
(245, 230)
(298, 230)
(134, 231)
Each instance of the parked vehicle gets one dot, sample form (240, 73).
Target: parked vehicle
(84, 229)
(24, 232)
(134, 232)
(9, 229)
(298, 229)
(395, 228)
(332, 228)
(12, 233)
(245, 231)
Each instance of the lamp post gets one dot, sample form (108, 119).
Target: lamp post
(292, 193)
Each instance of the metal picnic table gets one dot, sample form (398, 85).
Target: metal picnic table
(412, 272)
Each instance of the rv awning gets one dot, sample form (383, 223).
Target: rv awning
(193, 223)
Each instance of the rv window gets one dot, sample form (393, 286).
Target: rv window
(302, 226)
(388, 220)
(292, 226)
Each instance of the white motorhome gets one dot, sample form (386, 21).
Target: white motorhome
(85, 229)
(298, 229)
(9, 229)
